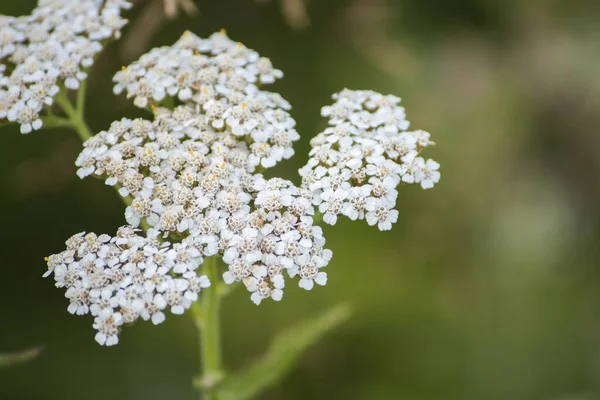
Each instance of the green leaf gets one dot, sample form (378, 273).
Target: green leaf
(284, 352)
(7, 359)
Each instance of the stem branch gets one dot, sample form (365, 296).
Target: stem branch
(75, 115)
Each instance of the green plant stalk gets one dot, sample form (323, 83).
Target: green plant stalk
(206, 316)
(75, 114)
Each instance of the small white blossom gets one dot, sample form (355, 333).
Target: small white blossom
(428, 175)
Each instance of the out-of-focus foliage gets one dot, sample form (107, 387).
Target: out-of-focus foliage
(281, 356)
(8, 359)
(487, 288)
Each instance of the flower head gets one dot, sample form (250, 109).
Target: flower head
(120, 279)
(192, 179)
(357, 163)
(50, 48)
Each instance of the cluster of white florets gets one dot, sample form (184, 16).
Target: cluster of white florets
(357, 163)
(50, 49)
(189, 183)
(209, 72)
(192, 179)
(279, 235)
(216, 81)
(123, 278)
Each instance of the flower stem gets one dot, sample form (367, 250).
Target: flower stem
(206, 315)
(80, 101)
(75, 115)
(52, 121)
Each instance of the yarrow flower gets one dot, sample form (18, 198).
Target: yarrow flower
(193, 179)
(357, 163)
(212, 73)
(126, 277)
(51, 48)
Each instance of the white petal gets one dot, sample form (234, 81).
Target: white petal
(330, 218)
(158, 318)
(228, 277)
(277, 294)
(256, 298)
(321, 278)
(306, 284)
(178, 309)
(100, 338)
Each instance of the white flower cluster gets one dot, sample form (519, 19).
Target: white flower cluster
(191, 176)
(192, 184)
(207, 72)
(278, 235)
(357, 163)
(192, 179)
(123, 278)
(51, 48)
(216, 80)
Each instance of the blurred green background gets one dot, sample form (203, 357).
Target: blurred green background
(486, 288)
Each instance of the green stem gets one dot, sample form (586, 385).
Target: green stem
(75, 115)
(52, 121)
(80, 102)
(206, 315)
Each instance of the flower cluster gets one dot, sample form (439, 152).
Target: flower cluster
(123, 278)
(192, 179)
(357, 163)
(278, 235)
(206, 72)
(199, 186)
(191, 175)
(216, 80)
(49, 49)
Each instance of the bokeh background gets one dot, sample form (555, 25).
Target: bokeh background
(488, 286)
